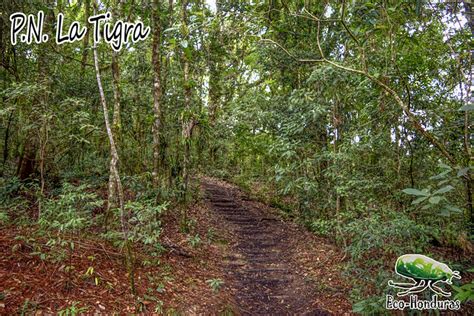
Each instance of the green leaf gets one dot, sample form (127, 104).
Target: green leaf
(434, 199)
(444, 189)
(170, 29)
(188, 53)
(419, 200)
(415, 192)
(465, 292)
(463, 172)
(453, 209)
(442, 175)
(445, 166)
(445, 213)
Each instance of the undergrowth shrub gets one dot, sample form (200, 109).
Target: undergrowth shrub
(8, 188)
(71, 211)
(388, 234)
(372, 242)
(15, 200)
(145, 221)
(391, 234)
(4, 219)
(64, 217)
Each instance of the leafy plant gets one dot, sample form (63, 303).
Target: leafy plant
(211, 234)
(464, 293)
(72, 310)
(71, 211)
(436, 198)
(215, 284)
(394, 235)
(145, 221)
(194, 241)
(372, 305)
(3, 218)
(90, 273)
(8, 188)
(159, 307)
(321, 227)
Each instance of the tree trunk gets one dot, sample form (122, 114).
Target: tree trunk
(187, 123)
(85, 41)
(116, 127)
(215, 70)
(33, 142)
(467, 122)
(5, 143)
(116, 176)
(337, 121)
(157, 92)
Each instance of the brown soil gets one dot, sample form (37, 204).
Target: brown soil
(275, 267)
(177, 279)
(268, 266)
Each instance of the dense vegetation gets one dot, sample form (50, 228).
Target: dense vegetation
(353, 117)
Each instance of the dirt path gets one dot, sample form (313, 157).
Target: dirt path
(267, 277)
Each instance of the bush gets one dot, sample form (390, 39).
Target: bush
(71, 211)
(8, 188)
(322, 227)
(394, 234)
(145, 221)
(4, 218)
(15, 200)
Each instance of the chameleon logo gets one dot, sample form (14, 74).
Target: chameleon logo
(424, 272)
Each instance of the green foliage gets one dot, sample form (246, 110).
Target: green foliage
(436, 198)
(8, 188)
(373, 305)
(72, 310)
(396, 234)
(14, 202)
(4, 219)
(215, 284)
(27, 308)
(211, 234)
(145, 221)
(71, 211)
(64, 217)
(345, 146)
(194, 241)
(159, 307)
(464, 293)
(188, 225)
(322, 227)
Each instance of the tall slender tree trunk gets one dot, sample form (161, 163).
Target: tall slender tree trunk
(467, 121)
(157, 92)
(27, 162)
(215, 89)
(116, 176)
(337, 122)
(116, 126)
(34, 139)
(85, 41)
(112, 195)
(5, 143)
(113, 148)
(187, 123)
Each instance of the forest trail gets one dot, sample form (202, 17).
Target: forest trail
(266, 277)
